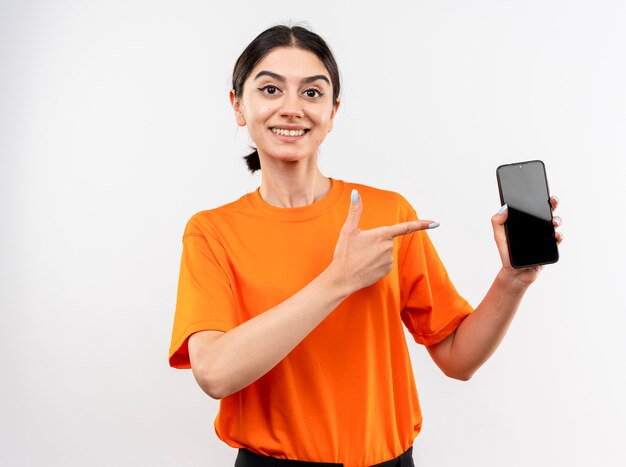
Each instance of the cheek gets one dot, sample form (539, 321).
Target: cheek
(322, 119)
(256, 119)
(255, 109)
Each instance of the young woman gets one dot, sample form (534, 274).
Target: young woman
(292, 299)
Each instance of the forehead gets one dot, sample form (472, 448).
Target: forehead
(291, 62)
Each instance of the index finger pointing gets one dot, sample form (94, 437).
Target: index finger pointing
(410, 227)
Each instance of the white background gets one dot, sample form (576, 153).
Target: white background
(115, 128)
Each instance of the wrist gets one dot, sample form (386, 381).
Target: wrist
(513, 280)
(337, 282)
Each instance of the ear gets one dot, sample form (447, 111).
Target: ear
(235, 102)
(333, 113)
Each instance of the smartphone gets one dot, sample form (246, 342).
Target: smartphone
(529, 230)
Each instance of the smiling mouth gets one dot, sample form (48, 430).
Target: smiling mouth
(283, 132)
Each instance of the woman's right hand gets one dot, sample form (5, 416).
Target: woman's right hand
(364, 256)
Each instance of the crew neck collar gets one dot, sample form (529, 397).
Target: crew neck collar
(299, 213)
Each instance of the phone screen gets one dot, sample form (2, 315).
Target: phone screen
(529, 229)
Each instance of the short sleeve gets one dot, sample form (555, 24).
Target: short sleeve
(205, 298)
(431, 306)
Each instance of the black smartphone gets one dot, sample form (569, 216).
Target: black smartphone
(529, 230)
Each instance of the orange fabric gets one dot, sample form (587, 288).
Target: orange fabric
(346, 393)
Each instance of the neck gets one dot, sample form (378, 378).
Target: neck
(293, 184)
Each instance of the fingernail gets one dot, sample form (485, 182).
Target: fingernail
(354, 196)
(557, 220)
(434, 225)
(556, 198)
(502, 209)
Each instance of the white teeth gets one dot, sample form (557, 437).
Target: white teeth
(280, 131)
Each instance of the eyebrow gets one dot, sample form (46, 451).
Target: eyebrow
(282, 79)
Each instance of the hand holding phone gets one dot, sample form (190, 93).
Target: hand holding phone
(529, 228)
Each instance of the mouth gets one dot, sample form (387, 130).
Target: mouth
(289, 132)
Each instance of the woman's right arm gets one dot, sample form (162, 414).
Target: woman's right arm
(225, 362)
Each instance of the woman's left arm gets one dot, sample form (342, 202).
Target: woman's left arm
(479, 335)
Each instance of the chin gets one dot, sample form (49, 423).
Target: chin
(290, 157)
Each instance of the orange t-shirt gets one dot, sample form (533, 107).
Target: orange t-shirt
(346, 393)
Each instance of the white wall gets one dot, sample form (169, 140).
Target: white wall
(115, 128)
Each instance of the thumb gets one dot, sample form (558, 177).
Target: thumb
(500, 217)
(497, 222)
(354, 214)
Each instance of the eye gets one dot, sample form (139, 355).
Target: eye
(312, 93)
(269, 89)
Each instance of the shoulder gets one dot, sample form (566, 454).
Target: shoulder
(209, 221)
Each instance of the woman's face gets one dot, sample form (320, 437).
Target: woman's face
(287, 104)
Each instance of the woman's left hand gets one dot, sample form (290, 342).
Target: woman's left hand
(525, 275)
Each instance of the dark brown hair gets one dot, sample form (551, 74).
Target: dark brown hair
(263, 44)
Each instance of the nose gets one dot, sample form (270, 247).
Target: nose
(291, 107)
